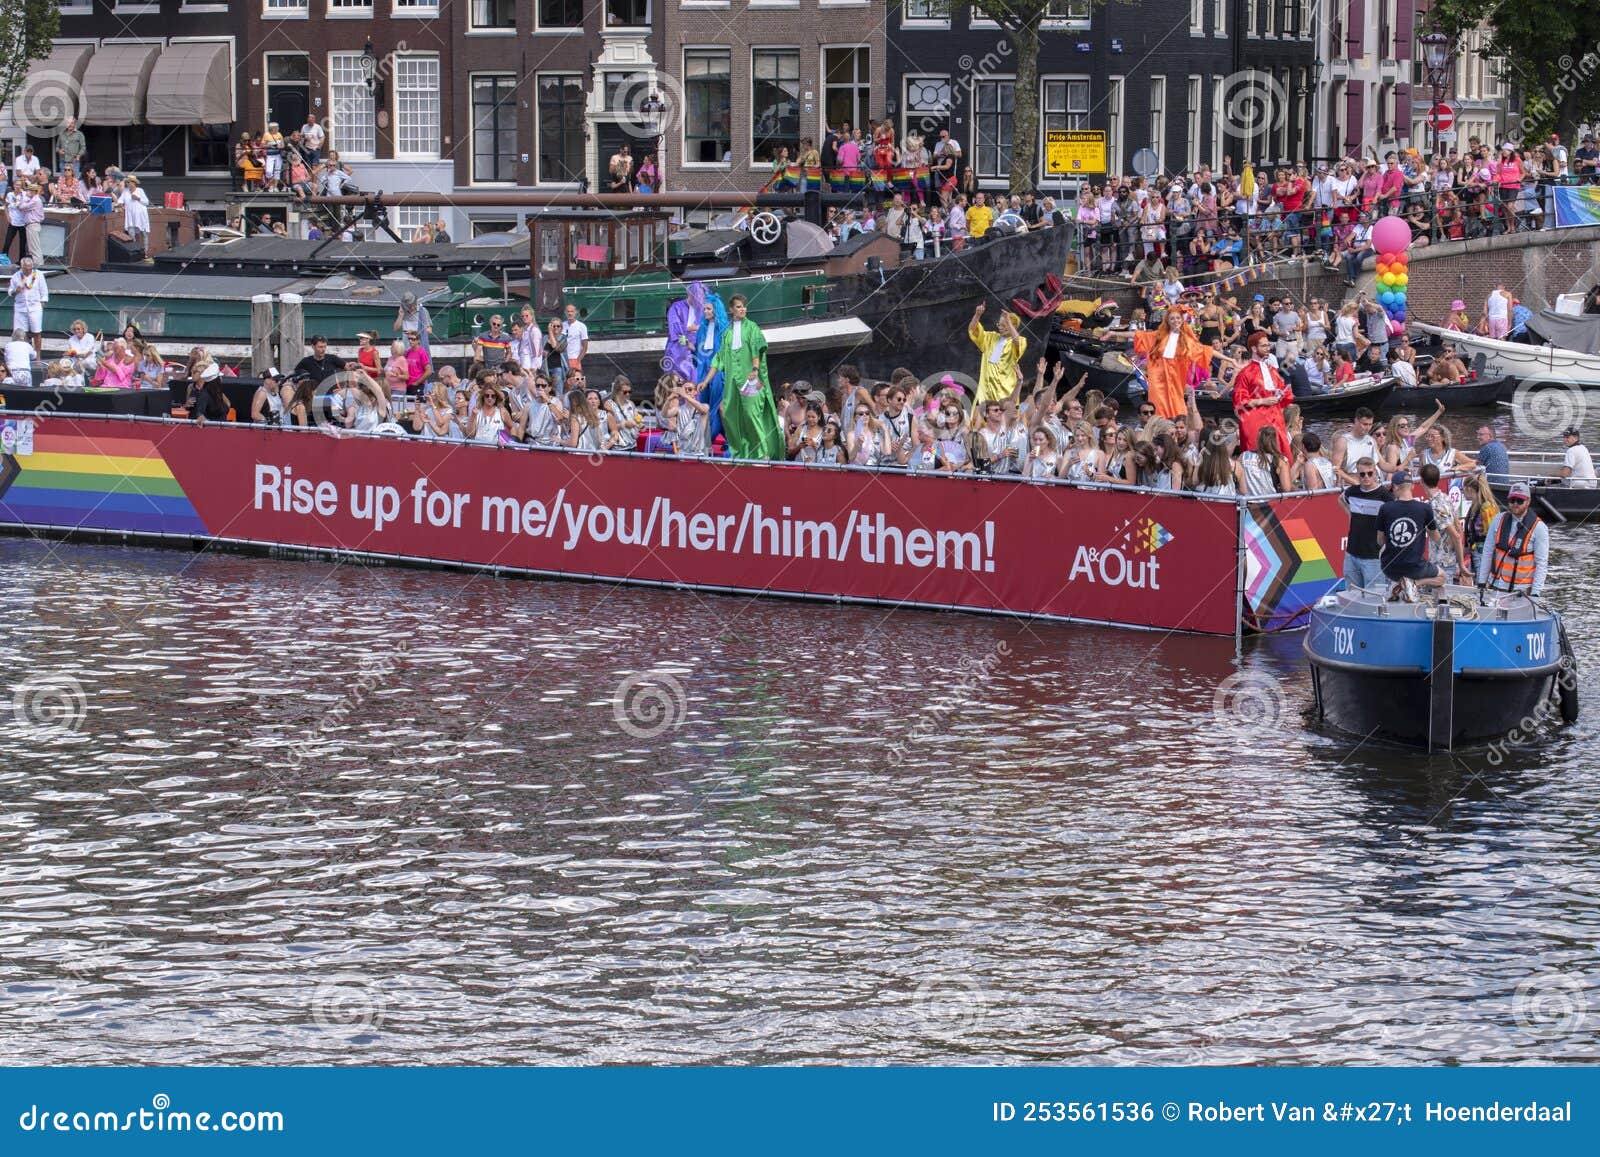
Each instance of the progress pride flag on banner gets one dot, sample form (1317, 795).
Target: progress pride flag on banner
(1140, 559)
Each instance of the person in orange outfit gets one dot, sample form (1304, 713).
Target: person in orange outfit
(1171, 352)
(1260, 394)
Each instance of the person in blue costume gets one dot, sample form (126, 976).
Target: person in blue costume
(707, 338)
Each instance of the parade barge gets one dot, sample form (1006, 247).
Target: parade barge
(1120, 556)
(1440, 674)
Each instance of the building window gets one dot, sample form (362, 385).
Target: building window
(416, 106)
(284, 7)
(928, 103)
(708, 98)
(561, 115)
(1114, 125)
(349, 7)
(494, 128)
(208, 148)
(77, 7)
(1193, 125)
(928, 10)
(486, 14)
(487, 226)
(1158, 118)
(350, 113)
(1197, 17)
(627, 13)
(1066, 104)
(1219, 18)
(416, 7)
(1216, 120)
(846, 74)
(406, 220)
(994, 107)
(560, 13)
(775, 110)
(1066, 11)
(141, 148)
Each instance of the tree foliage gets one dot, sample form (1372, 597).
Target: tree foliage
(27, 33)
(1551, 49)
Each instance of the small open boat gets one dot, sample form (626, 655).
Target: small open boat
(1455, 396)
(1543, 363)
(1437, 674)
(1556, 502)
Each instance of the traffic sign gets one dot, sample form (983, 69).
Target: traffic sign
(1441, 118)
(1074, 152)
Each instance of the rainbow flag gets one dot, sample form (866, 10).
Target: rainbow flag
(1577, 205)
(1286, 569)
(74, 480)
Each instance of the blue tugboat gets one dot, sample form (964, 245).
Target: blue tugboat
(1443, 673)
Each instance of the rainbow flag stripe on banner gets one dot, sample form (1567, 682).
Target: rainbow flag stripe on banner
(73, 480)
(1286, 569)
(1577, 205)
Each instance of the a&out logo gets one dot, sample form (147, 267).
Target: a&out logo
(1130, 560)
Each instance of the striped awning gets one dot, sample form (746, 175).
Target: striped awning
(115, 83)
(191, 84)
(52, 90)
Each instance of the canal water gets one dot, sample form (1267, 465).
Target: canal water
(267, 812)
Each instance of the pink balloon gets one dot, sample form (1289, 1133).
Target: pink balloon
(1391, 235)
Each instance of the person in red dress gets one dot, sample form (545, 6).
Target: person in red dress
(1260, 394)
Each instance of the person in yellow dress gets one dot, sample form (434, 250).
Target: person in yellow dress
(1002, 349)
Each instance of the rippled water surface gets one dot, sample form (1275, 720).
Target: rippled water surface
(283, 812)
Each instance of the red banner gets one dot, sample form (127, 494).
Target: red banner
(1138, 559)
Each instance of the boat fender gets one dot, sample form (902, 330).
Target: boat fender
(1567, 678)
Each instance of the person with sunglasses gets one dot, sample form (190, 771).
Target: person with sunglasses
(1516, 553)
(1362, 500)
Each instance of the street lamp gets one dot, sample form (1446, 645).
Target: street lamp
(654, 112)
(1437, 56)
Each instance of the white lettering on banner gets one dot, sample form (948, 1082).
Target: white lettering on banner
(1112, 568)
(753, 530)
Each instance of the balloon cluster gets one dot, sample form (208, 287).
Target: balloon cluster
(1391, 237)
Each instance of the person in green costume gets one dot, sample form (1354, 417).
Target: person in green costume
(749, 416)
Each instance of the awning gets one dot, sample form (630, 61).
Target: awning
(52, 90)
(192, 84)
(114, 84)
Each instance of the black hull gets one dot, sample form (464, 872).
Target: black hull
(1395, 707)
(1484, 392)
(1311, 405)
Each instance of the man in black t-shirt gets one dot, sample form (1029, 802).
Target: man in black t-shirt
(1586, 161)
(319, 364)
(1403, 526)
(1363, 501)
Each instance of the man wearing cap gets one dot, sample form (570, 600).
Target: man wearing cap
(1516, 549)
(1260, 394)
(1403, 525)
(266, 408)
(1586, 160)
(1577, 467)
(413, 315)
